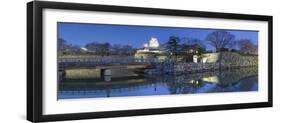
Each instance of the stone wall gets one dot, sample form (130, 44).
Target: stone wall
(239, 60)
(229, 61)
(82, 73)
(231, 58)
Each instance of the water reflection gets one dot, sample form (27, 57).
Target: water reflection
(236, 80)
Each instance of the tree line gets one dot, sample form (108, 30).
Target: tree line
(220, 40)
(94, 48)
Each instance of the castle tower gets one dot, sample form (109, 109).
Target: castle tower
(153, 43)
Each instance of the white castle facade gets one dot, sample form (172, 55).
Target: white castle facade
(151, 51)
(151, 46)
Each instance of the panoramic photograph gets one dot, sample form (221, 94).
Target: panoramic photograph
(105, 60)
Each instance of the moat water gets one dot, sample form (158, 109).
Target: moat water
(235, 80)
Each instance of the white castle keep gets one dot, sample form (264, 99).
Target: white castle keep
(153, 43)
(151, 46)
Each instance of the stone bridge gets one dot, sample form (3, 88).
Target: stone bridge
(103, 67)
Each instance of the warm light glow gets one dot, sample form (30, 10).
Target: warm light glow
(212, 79)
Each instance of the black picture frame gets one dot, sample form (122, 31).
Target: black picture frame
(35, 69)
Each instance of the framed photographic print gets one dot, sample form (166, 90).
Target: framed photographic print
(95, 61)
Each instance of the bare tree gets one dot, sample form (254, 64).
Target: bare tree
(219, 40)
(127, 50)
(62, 44)
(66, 48)
(246, 46)
(232, 45)
(99, 48)
(193, 43)
(118, 49)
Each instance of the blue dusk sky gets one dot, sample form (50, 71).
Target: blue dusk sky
(136, 36)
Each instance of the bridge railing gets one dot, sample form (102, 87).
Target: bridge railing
(106, 60)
